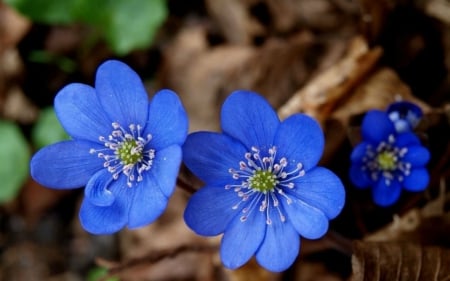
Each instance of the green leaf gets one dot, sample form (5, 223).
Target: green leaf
(126, 25)
(132, 24)
(14, 156)
(47, 11)
(47, 129)
(97, 273)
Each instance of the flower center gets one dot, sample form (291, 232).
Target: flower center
(263, 182)
(125, 153)
(386, 162)
(130, 152)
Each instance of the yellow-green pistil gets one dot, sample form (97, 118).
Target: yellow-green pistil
(262, 181)
(130, 152)
(387, 161)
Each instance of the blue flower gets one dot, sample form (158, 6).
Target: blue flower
(262, 189)
(405, 115)
(124, 149)
(387, 160)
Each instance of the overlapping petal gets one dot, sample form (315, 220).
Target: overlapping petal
(121, 93)
(66, 164)
(107, 219)
(417, 156)
(97, 191)
(148, 202)
(209, 210)
(210, 156)
(376, 126)
(309, 221)
(300, 137)
(359, 152)
(280, 247)
(241, 239)
(80, 113)
(167, 120)
(417, 180)
(165, 168)
(359, 177)
(250, 119)
(406, 139)
(384, 194)
(321, 189)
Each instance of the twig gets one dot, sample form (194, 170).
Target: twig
(152, 258)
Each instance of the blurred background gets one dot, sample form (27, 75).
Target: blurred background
(331, 59)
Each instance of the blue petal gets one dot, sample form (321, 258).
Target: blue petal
(66, 164)
(165, 168)
(299, 138)
(359, 152)
(405, 115)
(417, 180)
(121, 93)
(209, 210)
(81, 114)
(242, 239)
(97, 191)
(148, 203)
(210, 155)
(309, 221)
(359, 177)
(249, 118)
(386, 195)
(167, 121)
(376, 126)
(280, 247)
(402, 125)
(322, 189)
(406, 139)
(418, 156)
(109, 219)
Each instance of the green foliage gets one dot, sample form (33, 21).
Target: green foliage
(97, 273)
(124, 24)
(65, 64)
(14, 158)
(47, 129)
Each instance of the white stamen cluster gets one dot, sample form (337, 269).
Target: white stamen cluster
(386, 161)
(263, 182)
(125, 153)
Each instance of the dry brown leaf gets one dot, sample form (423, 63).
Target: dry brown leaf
(234, 20)
(204, 76)
(373, 261)
(13, 27)
(376, 92)
(321, 94)
(374, 16)
(252, 271)
(427, 225)
(166, 235)
(439, 9)
(197, 72)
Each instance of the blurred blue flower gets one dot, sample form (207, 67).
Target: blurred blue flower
(262, 189)
(387, 160)
(405, 115)
(124, 149)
